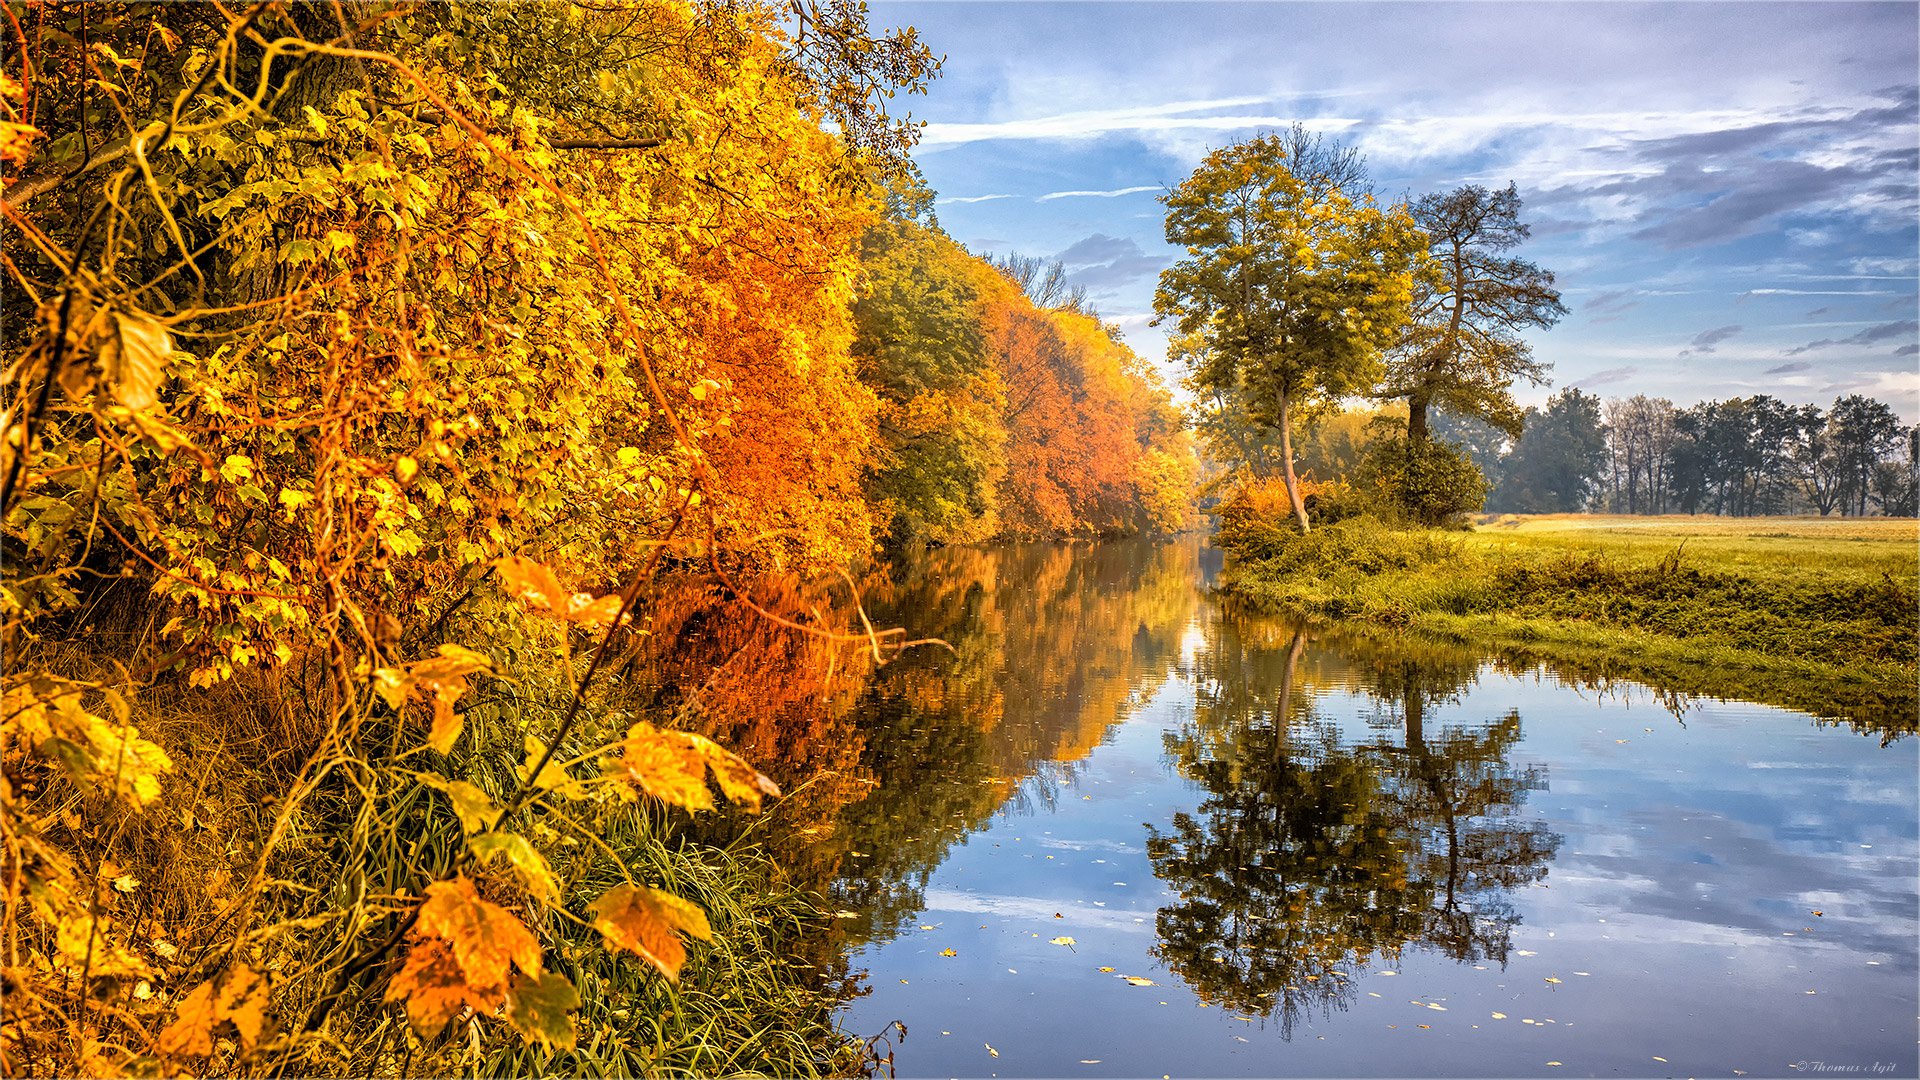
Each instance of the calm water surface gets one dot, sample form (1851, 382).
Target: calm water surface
(1126, 833)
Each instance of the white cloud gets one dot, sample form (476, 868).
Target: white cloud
(1051, 195)
(969, 199)
(1173, 116)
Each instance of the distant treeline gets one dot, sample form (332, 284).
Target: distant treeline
(1745, 456)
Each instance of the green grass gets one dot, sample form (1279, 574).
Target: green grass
(1821, 615)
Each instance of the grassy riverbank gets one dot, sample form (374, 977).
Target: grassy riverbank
(1815, 614)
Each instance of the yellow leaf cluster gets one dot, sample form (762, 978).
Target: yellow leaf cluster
(47, 715)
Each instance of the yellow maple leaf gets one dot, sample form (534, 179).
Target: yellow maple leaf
(237, 996)
(434, 988)
(672, 766)
(487, 939)
(532, 583)
(649, 922)
(522, 856)
(443, 676)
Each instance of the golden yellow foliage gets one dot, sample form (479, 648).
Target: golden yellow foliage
(649, 922)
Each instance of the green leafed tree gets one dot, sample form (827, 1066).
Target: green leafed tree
(1295, 280)
(1556, 466)
(1462, 350)
(920, 346)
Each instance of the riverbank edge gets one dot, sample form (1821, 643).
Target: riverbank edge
(1878, 695)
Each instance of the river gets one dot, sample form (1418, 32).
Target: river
(1120, 831)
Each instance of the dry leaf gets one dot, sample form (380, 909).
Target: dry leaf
(135, 358)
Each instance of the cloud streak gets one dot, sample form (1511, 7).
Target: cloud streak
(1114, 194)
(1200, 115)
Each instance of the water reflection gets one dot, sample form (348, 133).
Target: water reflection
(1268, 815)
(1312, 855)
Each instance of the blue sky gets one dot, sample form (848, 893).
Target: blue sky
(1728, 193)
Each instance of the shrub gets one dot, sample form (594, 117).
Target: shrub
(1432, 484)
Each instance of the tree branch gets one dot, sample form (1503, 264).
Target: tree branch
(604, 144)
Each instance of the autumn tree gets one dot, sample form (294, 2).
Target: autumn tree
(940, 456)
(1462, 349)
(1295, 280)
(363, 362)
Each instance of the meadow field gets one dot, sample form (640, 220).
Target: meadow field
(1821, 614)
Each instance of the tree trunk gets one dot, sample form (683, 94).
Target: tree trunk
(1286, 458)
(1417, 419)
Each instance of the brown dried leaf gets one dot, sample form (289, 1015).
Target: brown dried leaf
(135, 358)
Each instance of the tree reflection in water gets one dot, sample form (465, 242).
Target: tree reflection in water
(1313, 855)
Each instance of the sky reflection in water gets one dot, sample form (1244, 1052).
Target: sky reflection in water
(1332, 859)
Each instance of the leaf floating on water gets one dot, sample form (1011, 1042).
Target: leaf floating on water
(1551, 979)
(1660, 1059)
(1063, 940)
(990, 1049)
(1553, 1063)
(1499, 1016)
(1135, 980)
(1525, 952)
(1389, 973)
(1089, 1061)
(1107, 970)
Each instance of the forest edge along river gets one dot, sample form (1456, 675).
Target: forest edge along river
(1120, 830)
